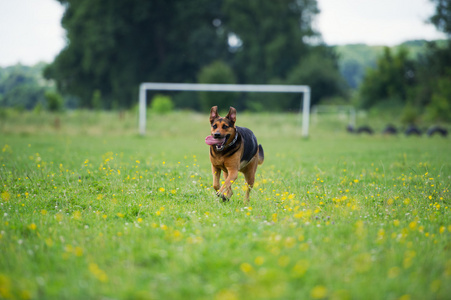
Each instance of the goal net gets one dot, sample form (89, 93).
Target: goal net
(155, 86)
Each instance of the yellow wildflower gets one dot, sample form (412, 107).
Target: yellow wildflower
(259, 260)
(6, 196)
(246, 268)
(319, 292)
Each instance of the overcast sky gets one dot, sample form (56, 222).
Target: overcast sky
(376, 22)
(30, 30)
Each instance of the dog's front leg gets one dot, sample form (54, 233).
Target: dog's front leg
(225, 192)
(216, 176)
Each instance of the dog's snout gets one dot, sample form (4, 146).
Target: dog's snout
(216, 135)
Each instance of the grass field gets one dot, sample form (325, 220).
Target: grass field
(91, 210)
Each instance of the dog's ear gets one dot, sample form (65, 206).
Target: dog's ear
(213, 113)
(232, 115)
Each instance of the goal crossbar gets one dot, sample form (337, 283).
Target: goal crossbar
(204, 87)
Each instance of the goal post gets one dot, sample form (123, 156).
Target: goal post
(261, 88)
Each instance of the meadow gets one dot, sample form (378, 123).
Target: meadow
(91, 210)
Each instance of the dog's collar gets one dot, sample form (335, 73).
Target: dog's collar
(232, 142)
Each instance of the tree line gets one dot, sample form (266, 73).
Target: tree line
(113, 45)
(420, 87)
(24, 88)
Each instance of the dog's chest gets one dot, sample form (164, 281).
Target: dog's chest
(225, 163)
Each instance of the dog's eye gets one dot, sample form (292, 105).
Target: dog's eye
(225, 126)
(215, 126)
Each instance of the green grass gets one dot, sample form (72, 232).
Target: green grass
(91, 210)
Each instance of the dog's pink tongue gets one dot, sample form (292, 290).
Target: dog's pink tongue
(209, 140)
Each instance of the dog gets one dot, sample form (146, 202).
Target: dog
(232, 149)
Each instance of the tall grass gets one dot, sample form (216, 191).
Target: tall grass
(91, 210)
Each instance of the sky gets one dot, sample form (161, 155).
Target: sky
(30, 30)
(376, 22)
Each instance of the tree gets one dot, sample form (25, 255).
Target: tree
(439, 109)
(272, 36)
(20, 87)
(216, 72)
(113, 45)
(421, 84)
(55, 101)
(390, 81)
(434, 74)
(320, 71)
(442, 17)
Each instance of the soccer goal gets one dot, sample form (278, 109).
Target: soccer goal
(261, 88)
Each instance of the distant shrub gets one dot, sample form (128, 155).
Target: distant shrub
(3, 112)
(216, 72)
(439, 109)
(20, 108)
(409, 114)
(96, 100)
(38, 108)
(161, 104)
(54, 101)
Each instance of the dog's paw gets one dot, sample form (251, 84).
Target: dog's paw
(223, 196)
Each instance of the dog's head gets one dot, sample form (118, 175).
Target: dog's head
(221, 128)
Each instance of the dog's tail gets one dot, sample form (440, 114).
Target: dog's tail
(261, 155)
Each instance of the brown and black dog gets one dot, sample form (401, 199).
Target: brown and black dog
(232, 149)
